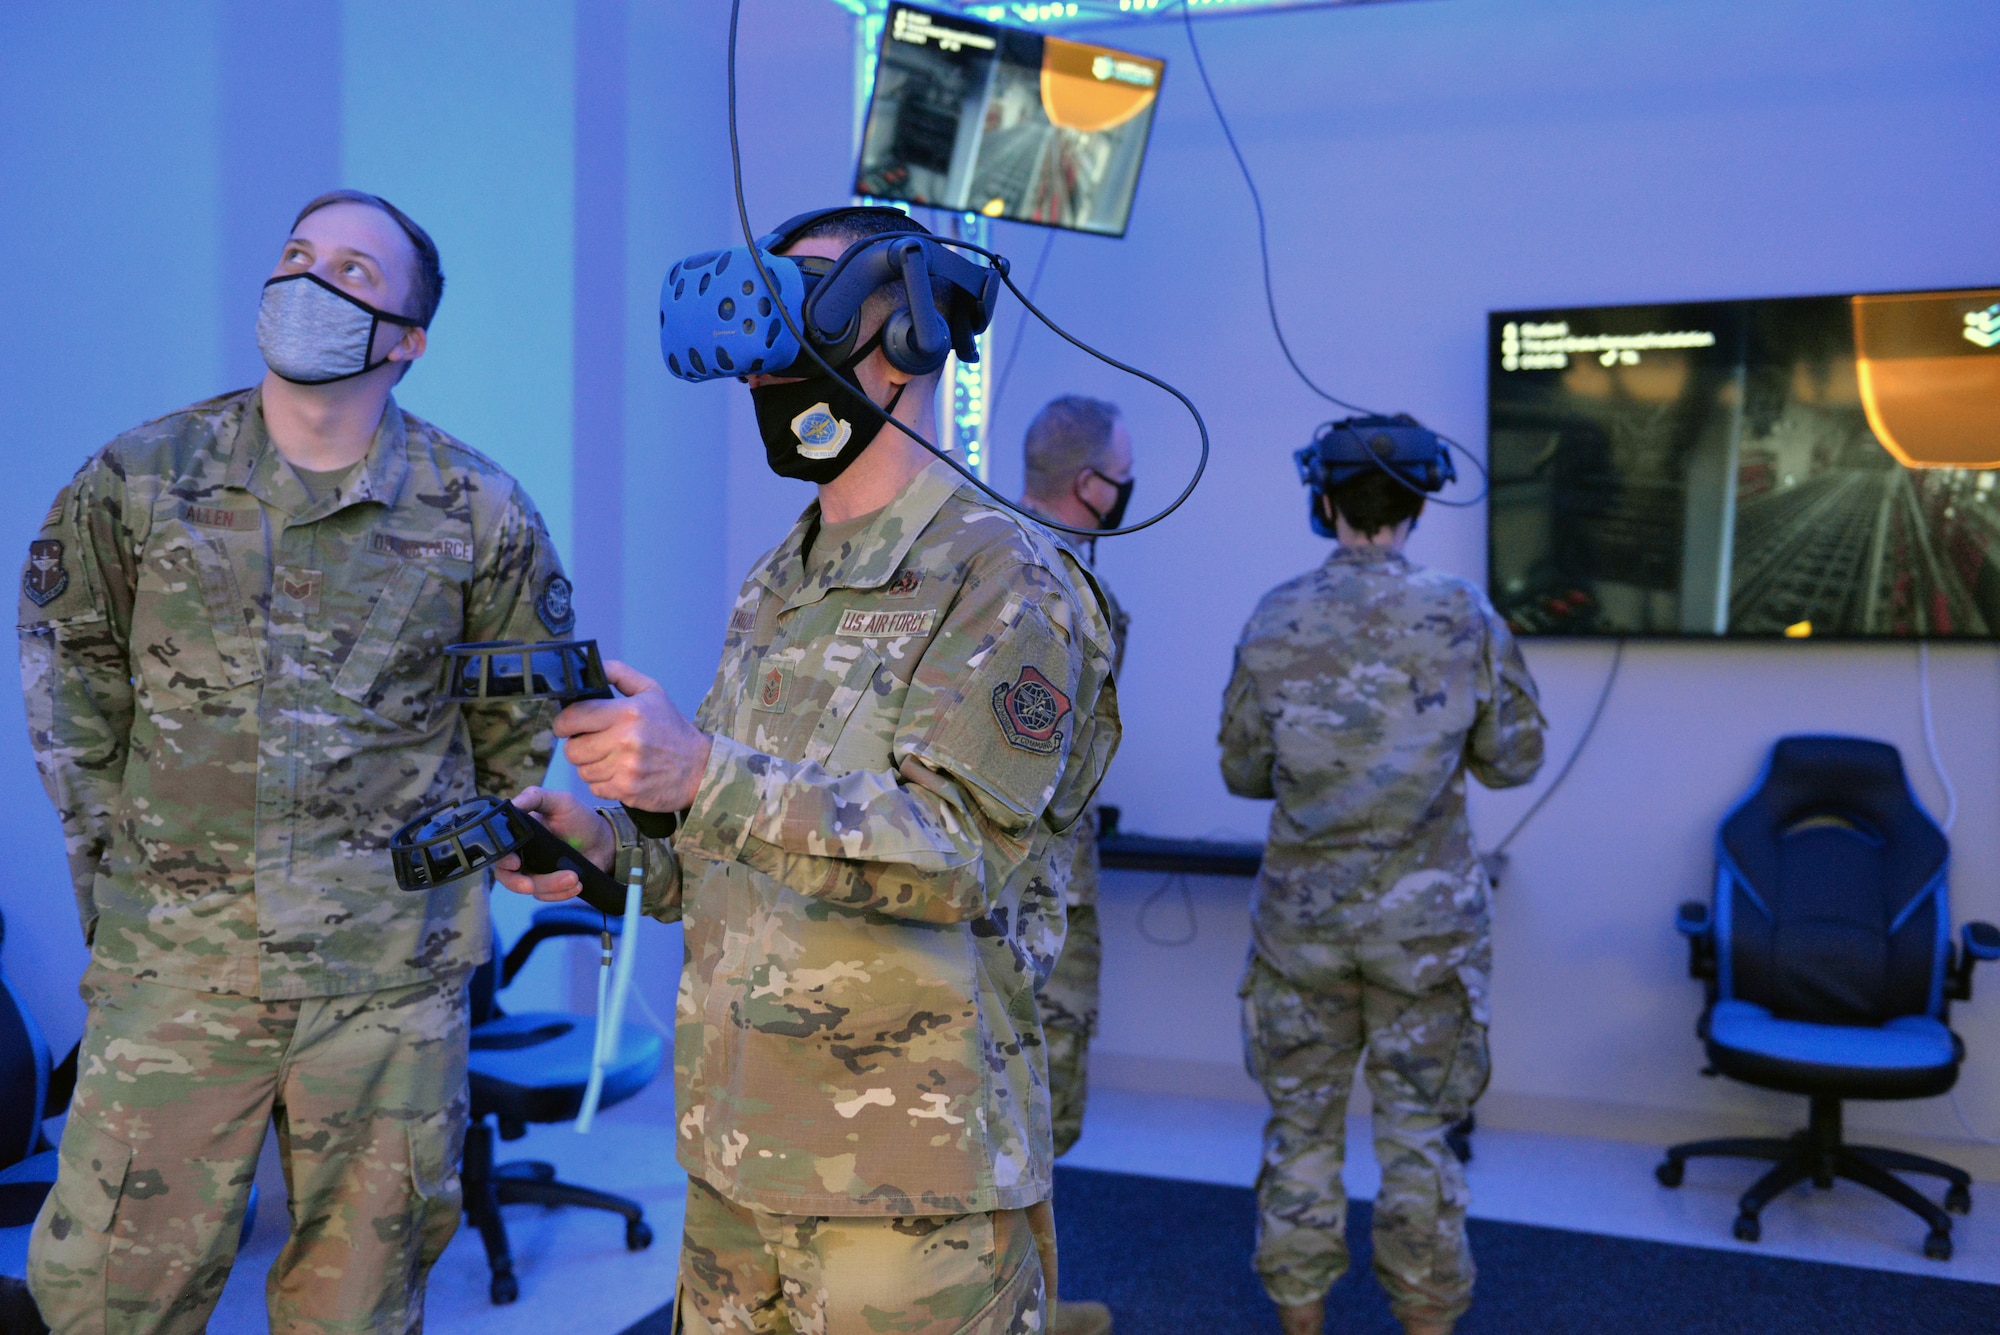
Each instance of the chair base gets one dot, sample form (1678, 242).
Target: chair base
(488, 1186)
(1819, 1154)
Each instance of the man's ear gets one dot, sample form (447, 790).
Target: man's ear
(411, 346)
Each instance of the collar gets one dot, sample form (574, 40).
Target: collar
(256, 466)
(1367, 556)
(876, 552)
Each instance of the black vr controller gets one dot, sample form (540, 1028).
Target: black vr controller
(471, 836)
(507, 671)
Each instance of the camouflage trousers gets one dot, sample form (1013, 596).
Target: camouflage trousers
(174, 1091)
(1407, 1006)
(745, 1270)
(1068, 1002)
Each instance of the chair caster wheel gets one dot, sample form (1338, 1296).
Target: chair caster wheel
(1749, 1230)
(1958, 1199)
(503, 1290)
(1670, 1172)
(638, 1236)
(1938, 1245)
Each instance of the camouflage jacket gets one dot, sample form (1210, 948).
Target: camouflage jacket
(900, 732)
(1362, 693)
(233, 696)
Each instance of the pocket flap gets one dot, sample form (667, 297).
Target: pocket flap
(436, 1143)
(377, 640)
(94, 1165)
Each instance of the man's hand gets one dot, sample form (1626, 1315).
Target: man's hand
(639, 750)
(573, 822)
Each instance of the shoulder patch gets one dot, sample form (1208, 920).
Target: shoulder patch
(46, 576)
(555, 607)
(1031, 711)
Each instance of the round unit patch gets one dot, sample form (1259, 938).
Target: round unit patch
(821, 434)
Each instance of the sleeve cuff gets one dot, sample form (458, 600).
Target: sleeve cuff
(728, 799)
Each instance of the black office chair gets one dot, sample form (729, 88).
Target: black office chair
(1830, 970)
(533, 1068)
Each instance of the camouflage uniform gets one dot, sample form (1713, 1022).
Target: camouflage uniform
(1362, 693)
(1069, 999)
(901, 726)
(232, 693)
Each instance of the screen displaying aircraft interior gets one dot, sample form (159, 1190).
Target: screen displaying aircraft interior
(1801, 467)
(979, 118)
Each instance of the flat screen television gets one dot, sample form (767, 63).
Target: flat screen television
(1802, 467)
(979, 118)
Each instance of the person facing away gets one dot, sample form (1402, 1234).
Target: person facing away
(1363, 693)
(230, 628)
(1077, 462)
(914, 700)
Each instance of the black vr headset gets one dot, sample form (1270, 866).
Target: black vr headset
(716, 320)
(1411, 454)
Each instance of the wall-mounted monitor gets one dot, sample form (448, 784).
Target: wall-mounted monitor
(979, 118)
(1802, 467)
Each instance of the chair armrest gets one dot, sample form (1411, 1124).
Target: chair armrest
(572, 918)
(1979, 941)
(1692, 921)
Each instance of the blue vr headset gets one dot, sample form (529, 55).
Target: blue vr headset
(1411, 454)
(717, 320)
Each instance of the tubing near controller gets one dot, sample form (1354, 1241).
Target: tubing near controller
(462, 838)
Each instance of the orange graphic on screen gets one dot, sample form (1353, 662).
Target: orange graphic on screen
(1094, 88)
(1929, 370)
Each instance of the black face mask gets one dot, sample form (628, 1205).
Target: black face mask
(1115, 516)
(815, 427)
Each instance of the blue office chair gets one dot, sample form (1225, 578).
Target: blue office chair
(1830, 970)
(533, 1068)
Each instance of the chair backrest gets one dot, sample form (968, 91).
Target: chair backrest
(484, 987)
(24, 1073)
(1830, 897)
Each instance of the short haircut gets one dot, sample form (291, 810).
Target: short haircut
(1374, 501)
(1069, 434)
(859, 224)
(427, 285)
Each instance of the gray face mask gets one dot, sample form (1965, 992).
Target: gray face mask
(312, 333)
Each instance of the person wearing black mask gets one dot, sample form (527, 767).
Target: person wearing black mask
(1077, 459)
(913, 705)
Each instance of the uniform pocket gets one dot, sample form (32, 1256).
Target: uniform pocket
(92, 1179)
(191, 635)
(362, 670)
(436, 1145)
(851, 701)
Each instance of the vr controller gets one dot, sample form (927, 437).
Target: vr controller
(1410, 453)
(717, 320)
(471, 836)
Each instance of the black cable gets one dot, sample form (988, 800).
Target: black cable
(1187, 906)
(1020, 329)
(1270, 295)
(1610, 678)
(1001, 265)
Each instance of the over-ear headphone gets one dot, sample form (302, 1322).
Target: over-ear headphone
(713, 323)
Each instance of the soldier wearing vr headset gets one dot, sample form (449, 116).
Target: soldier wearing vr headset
(230, 627)
(1363, 693)
(914, 700)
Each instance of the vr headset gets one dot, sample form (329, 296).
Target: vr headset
(1411, 454)
(717, 319)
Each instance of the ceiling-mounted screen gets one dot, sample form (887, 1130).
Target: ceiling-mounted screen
(978, 118)
(1800, 467)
